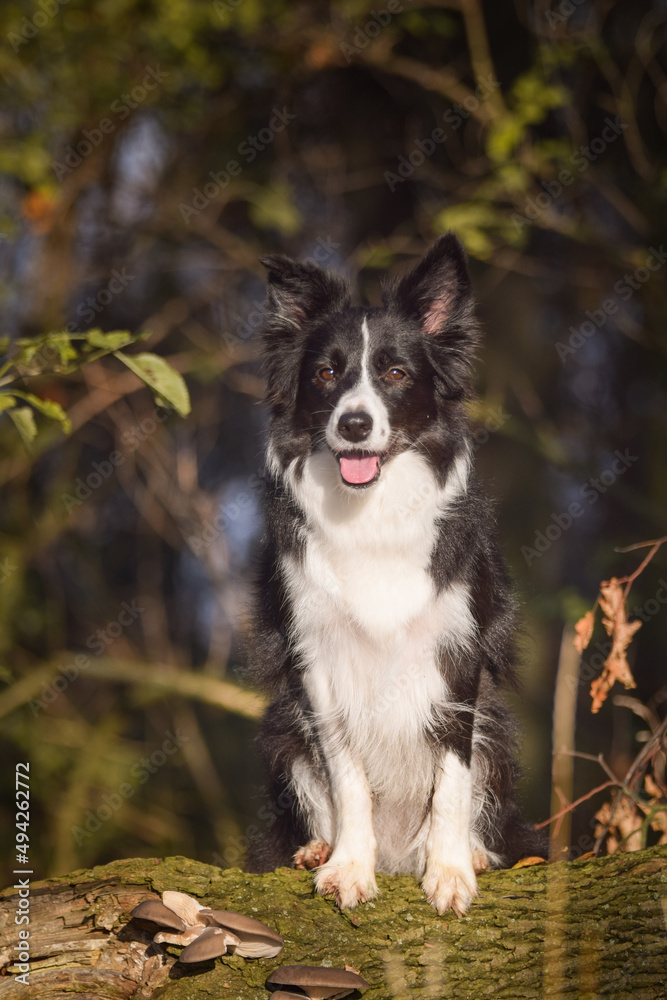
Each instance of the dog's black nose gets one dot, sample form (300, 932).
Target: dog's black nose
(355, 426)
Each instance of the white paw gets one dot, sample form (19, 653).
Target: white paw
(481, 861)
(314, 854)
(351, 882)
(449, 887)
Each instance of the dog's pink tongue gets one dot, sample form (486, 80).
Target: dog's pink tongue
(358, 469)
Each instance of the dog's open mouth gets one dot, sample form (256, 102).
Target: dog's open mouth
(359, 468)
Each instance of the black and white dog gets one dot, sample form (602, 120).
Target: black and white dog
(384, 623)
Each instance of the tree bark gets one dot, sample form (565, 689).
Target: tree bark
(584, 929)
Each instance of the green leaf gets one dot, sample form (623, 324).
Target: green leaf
(45, 353)
(273, 208)
(503, 138)
(109, 341)
(24, 421)
(6, 676)
(6, 402)
(167, 384)
(378, 256)
(48, 407)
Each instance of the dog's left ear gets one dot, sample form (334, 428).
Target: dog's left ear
(437, 292)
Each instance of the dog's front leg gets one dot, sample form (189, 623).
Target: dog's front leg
(449, 880)
(350, 871)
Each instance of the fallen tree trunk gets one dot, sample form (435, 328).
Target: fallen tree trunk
(584, 929)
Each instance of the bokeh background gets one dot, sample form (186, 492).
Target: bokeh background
(150, 152)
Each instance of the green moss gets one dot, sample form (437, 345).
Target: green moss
(597, 919)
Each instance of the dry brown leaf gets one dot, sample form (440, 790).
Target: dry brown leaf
(615, 621)
(624, 833)
(584, 630)
(610, 600)
(525, 862)
(652, 787)
(659, 821)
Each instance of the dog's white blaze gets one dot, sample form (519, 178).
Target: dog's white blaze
(362, 397)
(369, 625)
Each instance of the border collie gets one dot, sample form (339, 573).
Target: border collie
(383, 624)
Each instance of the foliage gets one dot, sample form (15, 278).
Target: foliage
(63, 353)
(151, 152)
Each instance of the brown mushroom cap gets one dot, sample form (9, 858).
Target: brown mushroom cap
(211, 943)
(154, 912)
(256, 940)
(187, 907)
(317, 982)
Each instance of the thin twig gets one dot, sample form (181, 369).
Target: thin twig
(636, 768)
(573, 805)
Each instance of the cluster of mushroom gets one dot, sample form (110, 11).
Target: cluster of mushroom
(205, 933)
(295, 982)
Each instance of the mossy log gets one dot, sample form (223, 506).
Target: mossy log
(583, 929)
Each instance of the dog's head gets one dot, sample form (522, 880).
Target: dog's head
(370, 383)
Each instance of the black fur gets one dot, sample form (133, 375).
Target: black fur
(427, 325)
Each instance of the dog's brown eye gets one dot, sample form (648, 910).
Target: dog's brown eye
(326, 374)
(396, 374)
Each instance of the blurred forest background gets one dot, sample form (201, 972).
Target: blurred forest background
(149, 154)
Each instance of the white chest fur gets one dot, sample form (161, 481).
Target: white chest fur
(368, 552)
(368, 621)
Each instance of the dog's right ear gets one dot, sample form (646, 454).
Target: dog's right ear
(298, 292)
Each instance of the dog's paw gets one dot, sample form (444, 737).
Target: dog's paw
(314, 854)
(448, 887)
(481, 861)
(351, 882)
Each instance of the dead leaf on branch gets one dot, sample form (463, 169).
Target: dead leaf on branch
(621, 631)
(624, 832)
(584, 629)
(658, 806)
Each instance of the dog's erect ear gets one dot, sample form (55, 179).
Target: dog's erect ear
(299, 291)
(437, 294)
(437, 291)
